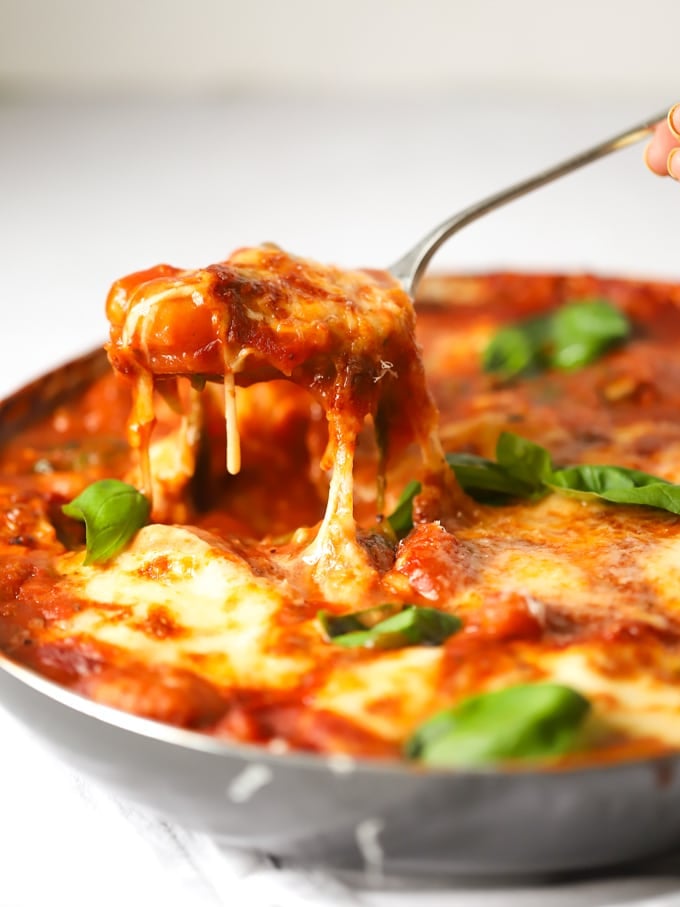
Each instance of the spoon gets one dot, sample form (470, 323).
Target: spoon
(409, 269)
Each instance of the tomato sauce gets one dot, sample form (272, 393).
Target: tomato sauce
(623, 409)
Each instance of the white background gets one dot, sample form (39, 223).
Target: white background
(603, 47)
(145, 130)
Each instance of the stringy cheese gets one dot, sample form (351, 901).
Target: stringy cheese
(347, 336)
(556, 590)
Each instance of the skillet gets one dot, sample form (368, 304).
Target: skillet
(334, 811)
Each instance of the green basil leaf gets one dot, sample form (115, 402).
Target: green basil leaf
(338, 624)
(527, 721)
(410, 627)
(524, 469)
(519, 473)
(401, 518)
(599, 480)
(574, 335)
(617, 485)
(524, 460)
(113, 512)
(662, 495)
(531, 462)
(582, 331)
(487, 481)
(518, 349)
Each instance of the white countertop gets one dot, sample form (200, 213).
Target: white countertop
(88, 193)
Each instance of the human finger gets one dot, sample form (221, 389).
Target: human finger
(664, 141)
(673, 163)
(673, 120)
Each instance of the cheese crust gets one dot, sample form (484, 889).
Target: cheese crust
(208, 619)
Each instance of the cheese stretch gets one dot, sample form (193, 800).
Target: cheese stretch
(313, 380)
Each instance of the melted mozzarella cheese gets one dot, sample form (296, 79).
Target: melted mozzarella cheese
(576, 593)
(662, 571)
(222, 617)
(347, 336)
(637, 704)
(541, 574)
(373, 693)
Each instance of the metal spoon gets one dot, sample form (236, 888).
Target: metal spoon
(410, 268)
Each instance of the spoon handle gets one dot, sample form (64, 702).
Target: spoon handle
(410, 268)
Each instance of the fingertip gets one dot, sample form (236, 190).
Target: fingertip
(645, 158)
(673, 164)
(674, 120)
(655, 158)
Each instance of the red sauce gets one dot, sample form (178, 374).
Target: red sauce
(578, 415)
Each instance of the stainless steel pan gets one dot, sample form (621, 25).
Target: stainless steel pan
(386, 817)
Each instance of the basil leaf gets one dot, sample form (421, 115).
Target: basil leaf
(113, 512)
(338, 624)
(617, 485)
(519, 473)
(662, 495)
(485, 480)
(401, 518)
(524, 460)
(574, 335)
(524, 469)
(410, 627)
(518, 349)
(582, 331)
(599, 480)
(520, 470)
(527, 721)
